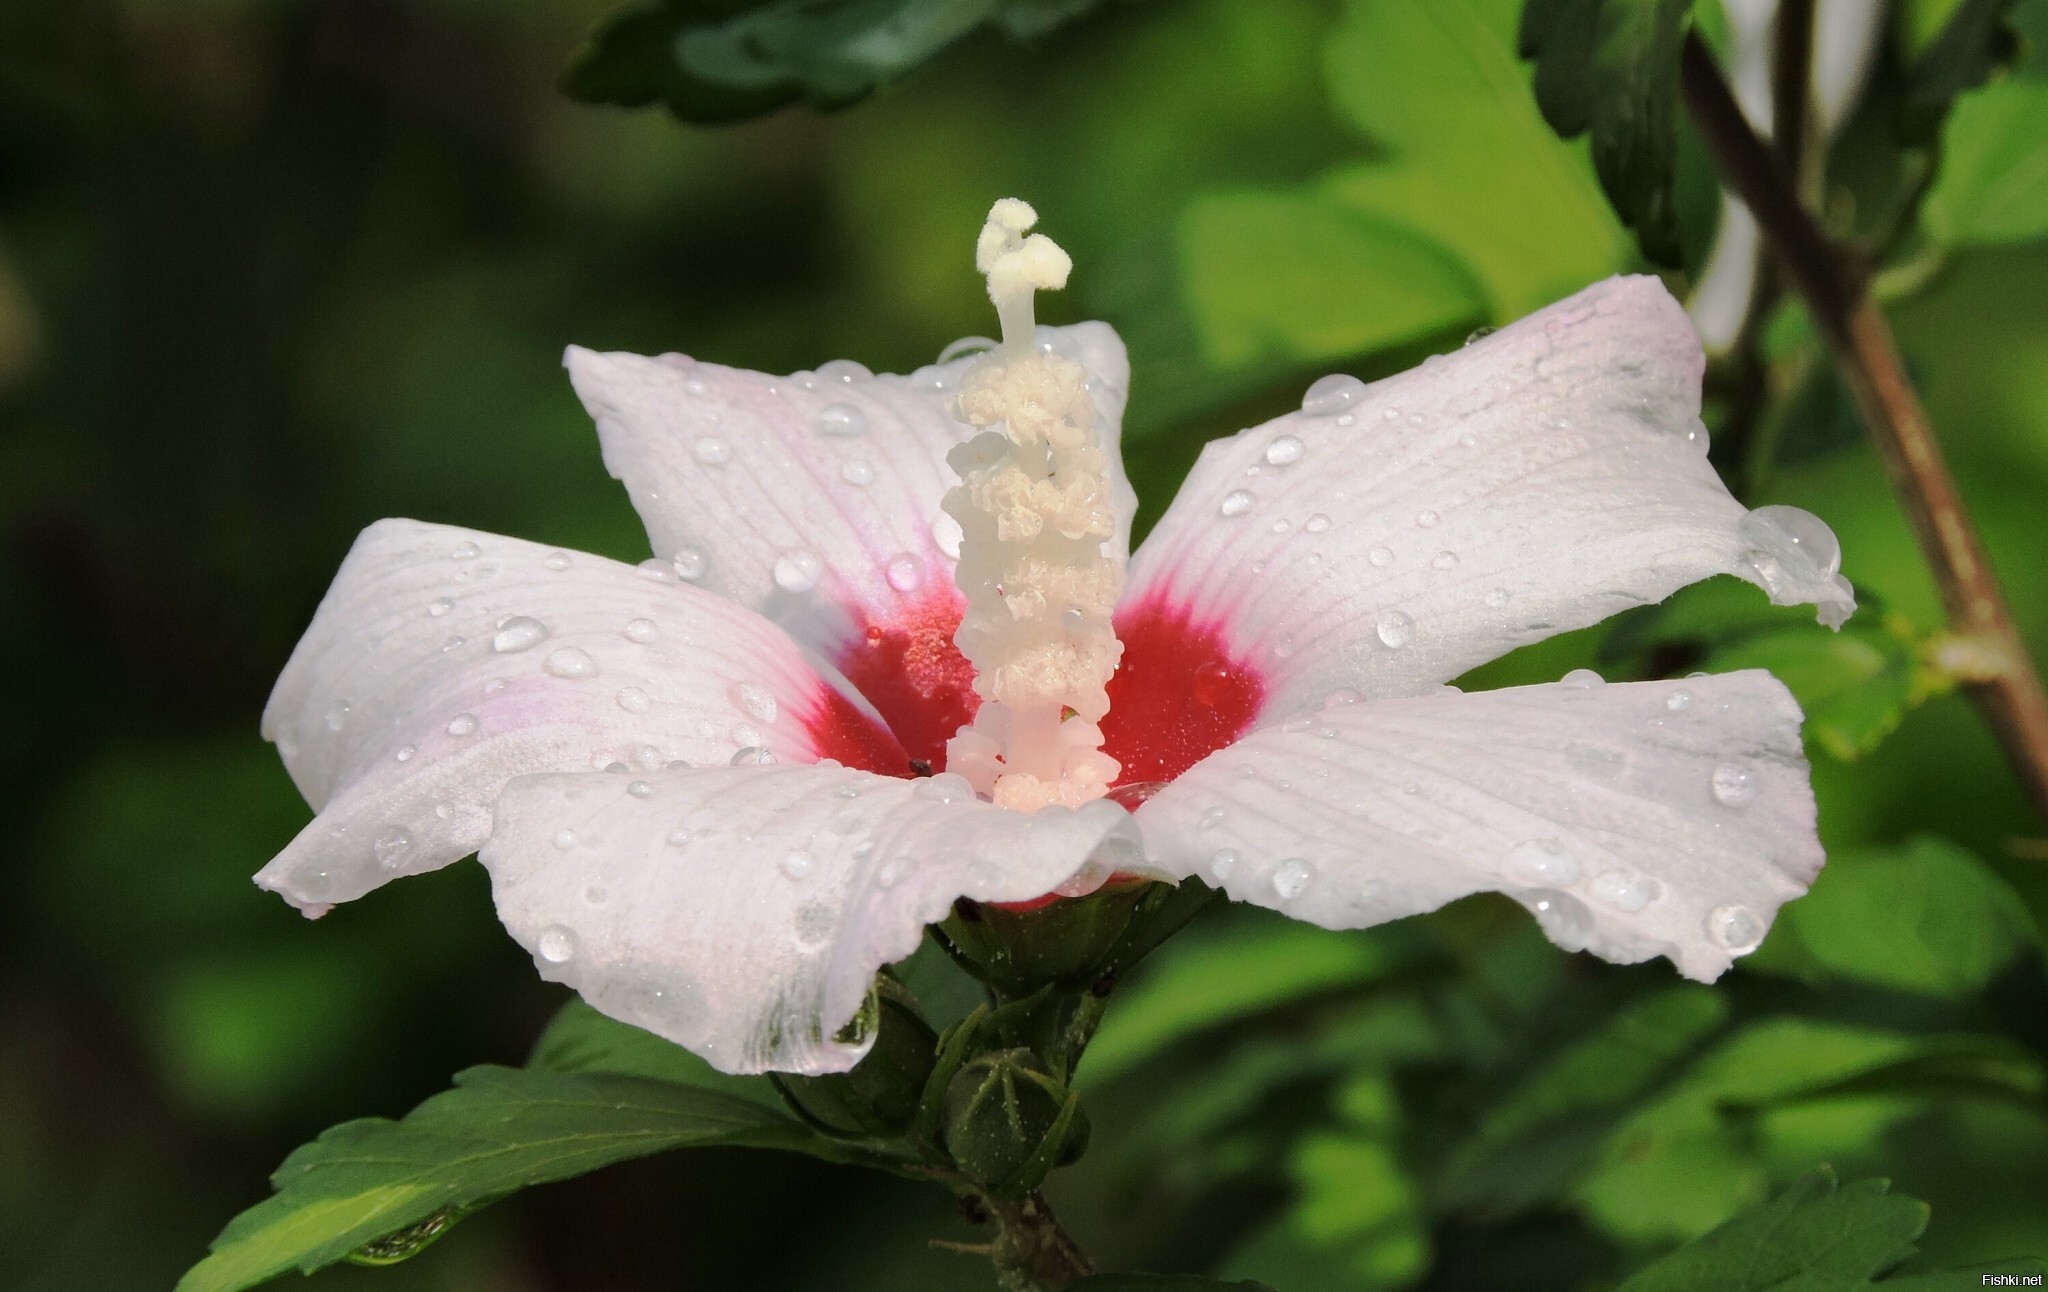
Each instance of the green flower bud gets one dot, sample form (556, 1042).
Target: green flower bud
(1008, 1122)
(1067, 940)
(880, 1095)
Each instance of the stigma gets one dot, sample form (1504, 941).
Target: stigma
(1034, 508)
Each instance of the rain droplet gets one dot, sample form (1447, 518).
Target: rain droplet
(1735, 928)
(1284, 450)
(1497, 598)
(752, 756)
(1317, 524)
(462, 724)
(1625, 890)
(642, 631)
(392, 847)
(337, 717)
(965, 346)
(1332, 394)
(640, 789)
(1237, 502)
(797, 863)
(1281, 526)
(1426, 519)
(1208, 684)
(844, 371)
(647, 758)
(1479, 334)
(1342, 696)
(905, 572)
(712, 451)
(565, 839)
(633, 700)
(556, 944)
(756, 702)
(1444, 561)
(696, 386)
(1734, 784)
(406, 753)
(857, 472)
(440, 606)
(841, 419)
(466, 551)
(745, 734)
(1211, 818)
(1390, 414)
(946, 535)
(1292, 879)
(1395, 628)
(1564, 918)
(1222, 862)
(1798, 540)
(1381, 556)
(678, 836)
(1582, 679)
(520, 632)
(570, 662)
(1678, 701)
(455, 643)
(656, 570)
(1541, 863)
(798, 571)
(556, 560)
(946, 787)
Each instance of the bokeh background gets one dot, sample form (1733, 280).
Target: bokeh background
(273, 269)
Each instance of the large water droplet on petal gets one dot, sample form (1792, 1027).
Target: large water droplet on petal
(843, 371)
(634, 700)
(690, 563)
(642, 631)
(946, 535)
(570, 662)
(1381, 556)
(1236, 503)
(1285, 450)
(798, 571)
(462, 724)
(1541, 863)
(557, 561)
(841, 419)
(797, 863)
(556, 944)
(1333, 394)
(857, 473)
(1582, 679)
(1735, 928)
(752, 756)
(1734, 784)
(1292, 879)
(1317, 524)
(520, 632)
(904, 572)
(712, 451)
(1564, 918)
(1395, 628)
(1801, 542)
(440, 606)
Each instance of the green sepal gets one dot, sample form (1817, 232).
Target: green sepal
(952, 1053)
(879, 1097)
(1016, 952)
(1009, 1122)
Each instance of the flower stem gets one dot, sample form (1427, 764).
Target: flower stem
(1837, 297)
(1031, 1252)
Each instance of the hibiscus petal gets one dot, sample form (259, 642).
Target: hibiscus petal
(1634, 819)
(1536, 481)
(815, 500)
(444, 662)
(742, 912)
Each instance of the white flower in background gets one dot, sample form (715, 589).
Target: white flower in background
(692, 780)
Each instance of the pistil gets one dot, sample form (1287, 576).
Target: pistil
(1034, 511)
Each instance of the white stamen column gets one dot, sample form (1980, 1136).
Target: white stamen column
(1034, 510)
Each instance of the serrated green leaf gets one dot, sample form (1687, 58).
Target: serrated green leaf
(1609, 69)
(1855, 686)
(1814, 1237)
(498, 1130)
(717, 61)
(1993, 184)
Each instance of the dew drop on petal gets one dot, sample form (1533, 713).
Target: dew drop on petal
(1426, 519)
(1582, 679)
(633, 700)
(1734, 785)
(946, 535)
(946, 787)
(1291, 880)
(841, 419)
(1541, 863)
(1678, 701)
(757, 702)
(798, 571)
(1735, 928)
(392, 847)
(1395, 628)
(466, 551)
(844, 371)
(745, 734)
(712, 451)
(1497, 598)
(440, 606)
(678, 836)
(1285, 450)
(656, 570)
(454, 643)
(1209, 684)
(1625, 890)
(557, 945)
(1317, 524)
(336, 718)
(1381, 556)
(406, 753)
(1798, 540)
(462, 724)
(1333, 394)
(752, 756)
(904, 572)
(520, 632)
(569, 662)
(640, 789)
(647, 758)
(1236, 503)
(1444, 561)
(857, 472)
(1222, 862)
(557, 561)
(1564, 918)
(642, 631)
(690, 563)
(1342, 696)
(797, 863)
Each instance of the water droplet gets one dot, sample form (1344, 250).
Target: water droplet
(1479, 334)
(905, 572)
(1582, 679)
(556, 944)
(745, 734)
(712, 451)
(756, 702)
(752, 756)
(690, 563)
(406, 753)
(1497, 598)
(841, 419)
(1331, 395)
(1625, 890)
(965, 346)
(1281, 526)
(656, 570)
(798, 571)
(1222, 862)
(1541, 863)
(1564, 918)
(843, 371)
(946, 787)
(520, 632)
(462, 724)
(633, 700)
(1346, 419)
(1285, 450)
(1292, 878)
(642, 631)
(466, 551)
(1390, 414)
(337, 717)
(392, 847)
(1209, 683)
(1210, 819)
(857, 472)
(697, 386)
(678, 836)
(440, 606)
(1237, 502)
(1426, 519)
(1735, 928)
(1444, 561)
(1799, 541)
(1381, 556)
(556, 561)
(570, 662)
(640, 789)
(647, 758)
(565, 839)
(798, 863)
(946, 535)
(1317, 524)
(1678, 701)
(1734, 784)
(1395, 628)
(1416, 419)
(495, 685)
(455, 643)
(1342, 696)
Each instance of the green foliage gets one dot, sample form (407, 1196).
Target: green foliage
(1855, 686)
(1973, 42)
(717, 61)
(1609, 69)
(1993, 183)
(1161, 1283)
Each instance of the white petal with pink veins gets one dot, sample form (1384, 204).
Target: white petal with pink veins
(813, 498)
(1392, 536)
(444, 662)
(742, 912)
(1633, 819)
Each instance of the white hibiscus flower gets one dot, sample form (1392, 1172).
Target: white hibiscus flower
(696, 782)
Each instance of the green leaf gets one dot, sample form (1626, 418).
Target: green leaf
(1161, 1283)
(716, 61)
(579, 1039)
(1927, 917)
(498, 1130)
(1609, 69)
(1814, 1237)
(1993, 184)
(1855, 685)
(1967, 48)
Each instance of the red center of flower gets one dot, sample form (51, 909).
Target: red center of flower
(917, 679)
(1178, 696)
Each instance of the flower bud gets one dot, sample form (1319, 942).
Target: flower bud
(1017, 950)
(1008, 1122)
(879, 1096)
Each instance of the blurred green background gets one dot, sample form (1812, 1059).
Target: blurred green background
(273, 269)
